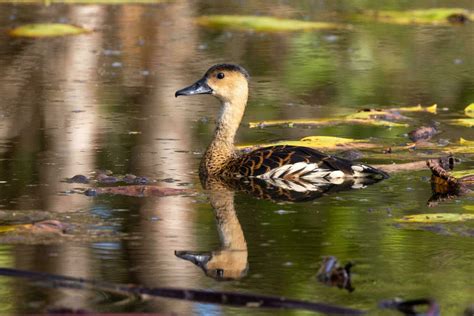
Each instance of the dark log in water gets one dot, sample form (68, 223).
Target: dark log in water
(214, 297)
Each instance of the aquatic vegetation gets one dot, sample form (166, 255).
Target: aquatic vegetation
(325, 122)
(469, 110)
(467, 122)
(263, 23)
(374, 117)
(47, 30)
(418, 108)
(466, 142)
(436, 218)
(434, 16)
(422, 133)
(326, 142)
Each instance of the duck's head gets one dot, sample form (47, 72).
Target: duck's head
(222, 265)
(227, 82)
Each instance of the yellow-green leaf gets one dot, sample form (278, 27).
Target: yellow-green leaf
(467, 122)
(376, 114)
(466, 142)
(436, 218)
(263, 23)
(47, 30)
(462, 173)
(440, 16)
(324, 122)
(320, 142)
(469, 110)
(328, 141)
(14, 227)
(430, 109)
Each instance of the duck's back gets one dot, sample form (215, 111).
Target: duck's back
(295, 162)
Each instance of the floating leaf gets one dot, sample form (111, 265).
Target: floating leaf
(430, 109)
(377, 117)
(325, 122)
(436, 218)
(13, 227)
(47, 30)
(469, 110)
(466, 142)
(263, 23)
(319, 142)
(462, 173)
(442, 16)
(467, 122)
(377, 114)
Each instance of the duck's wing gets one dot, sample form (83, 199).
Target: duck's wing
(295, 162)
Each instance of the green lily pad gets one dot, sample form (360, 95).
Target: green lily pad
(263, 23)
(435, 16)
(47, 30)
(469, 110)
(436, 218)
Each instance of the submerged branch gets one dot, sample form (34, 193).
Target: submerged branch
(211, 297)
(400, 167)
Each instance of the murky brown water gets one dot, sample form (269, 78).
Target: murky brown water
(105, 100)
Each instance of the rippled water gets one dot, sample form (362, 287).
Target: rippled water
(105, 100)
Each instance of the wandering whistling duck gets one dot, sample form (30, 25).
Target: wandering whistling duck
(229, 84)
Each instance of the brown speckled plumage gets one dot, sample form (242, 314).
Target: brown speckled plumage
(229, 83)
(263, 160)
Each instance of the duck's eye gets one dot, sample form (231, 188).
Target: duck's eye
(220, 75)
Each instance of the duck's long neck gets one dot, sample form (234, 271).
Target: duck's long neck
(227, 124)
(221, 148)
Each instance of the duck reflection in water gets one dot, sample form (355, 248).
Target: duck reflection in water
(229, 262)
(282, 173)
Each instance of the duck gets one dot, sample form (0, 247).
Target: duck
(229, 83)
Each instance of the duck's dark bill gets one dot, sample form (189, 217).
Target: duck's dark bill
(198, 258)
(200, 87)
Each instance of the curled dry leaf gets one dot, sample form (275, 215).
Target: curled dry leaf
(422, 133)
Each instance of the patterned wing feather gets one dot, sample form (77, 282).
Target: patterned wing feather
(289, 162)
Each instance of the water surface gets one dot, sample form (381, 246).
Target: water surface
(73, 105)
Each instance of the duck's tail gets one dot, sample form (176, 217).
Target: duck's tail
(365, 171)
